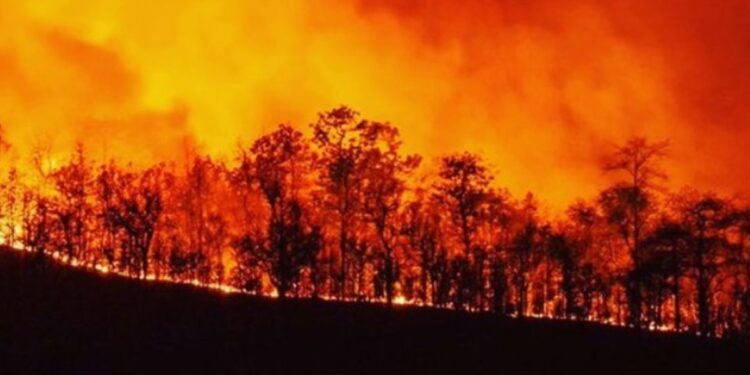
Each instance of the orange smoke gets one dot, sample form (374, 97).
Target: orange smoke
(540, 89)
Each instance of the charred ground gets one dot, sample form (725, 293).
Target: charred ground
(59, 320)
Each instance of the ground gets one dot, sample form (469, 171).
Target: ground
(59, 320)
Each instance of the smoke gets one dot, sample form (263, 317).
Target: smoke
(541, 89)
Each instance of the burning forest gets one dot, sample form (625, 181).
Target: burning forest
(568, 160)
(344, 214)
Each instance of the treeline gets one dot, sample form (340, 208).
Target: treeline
(344, 214)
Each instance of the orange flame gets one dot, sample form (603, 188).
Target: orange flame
(541, 88)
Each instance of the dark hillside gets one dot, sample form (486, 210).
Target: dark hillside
(58, 320)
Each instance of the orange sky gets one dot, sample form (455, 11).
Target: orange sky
(542, 89)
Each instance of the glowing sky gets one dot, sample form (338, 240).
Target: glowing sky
(540, 88)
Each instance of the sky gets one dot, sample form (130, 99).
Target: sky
(543, 90)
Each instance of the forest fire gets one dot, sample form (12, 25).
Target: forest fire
(329, 217)
(569, 77)
(106, 270)
(559, 160)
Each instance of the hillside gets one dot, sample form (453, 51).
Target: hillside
(58, 320)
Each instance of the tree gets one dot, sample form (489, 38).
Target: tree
(36, 206)
(105, 205)
(36, 222)
(10, 198)
(200, 215)
(279, 163)
(383, 187)
(345, 145)
(461, 190)
(705, 217)
(337, 135)
(134, 207)
(744, 245)
(627, 204)
(420, 225)
(667, 256)
(525, 250)
(73, 209)
(294, 248)
(572, 251)
(496, 229)
(562, 250)
(465, 280)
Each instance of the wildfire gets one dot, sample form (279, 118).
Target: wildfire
(538, 88)
(401, 300)
(421, 198)
(103, 269)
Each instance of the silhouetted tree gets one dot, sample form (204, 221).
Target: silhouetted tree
(705, 217)
(461, 190)
(420, 225)
(342, 141)
(627, 204)
(568, 257)
(525, 252)
(10, 200)
(36, 222)
(579, 282)
(202, 220)
(279, 162)
(496, 230)
(8, 196)
(73, 208)
(383, 186)
(744, 244)
(135, 204)
(667, 248)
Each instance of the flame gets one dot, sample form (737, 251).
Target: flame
(401, 300)
(398, 300)
(104, 269)
(541, 89)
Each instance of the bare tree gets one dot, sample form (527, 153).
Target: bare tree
(73, 209)
(383, 187)
(134, 209)
(202, 220)
(461, 190)
(705, 217)
(346, 144)
(279, 163)
(627, 203)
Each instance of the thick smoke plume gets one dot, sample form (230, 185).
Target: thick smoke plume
(542, 89)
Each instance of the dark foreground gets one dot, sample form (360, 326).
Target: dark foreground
(56, 320)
